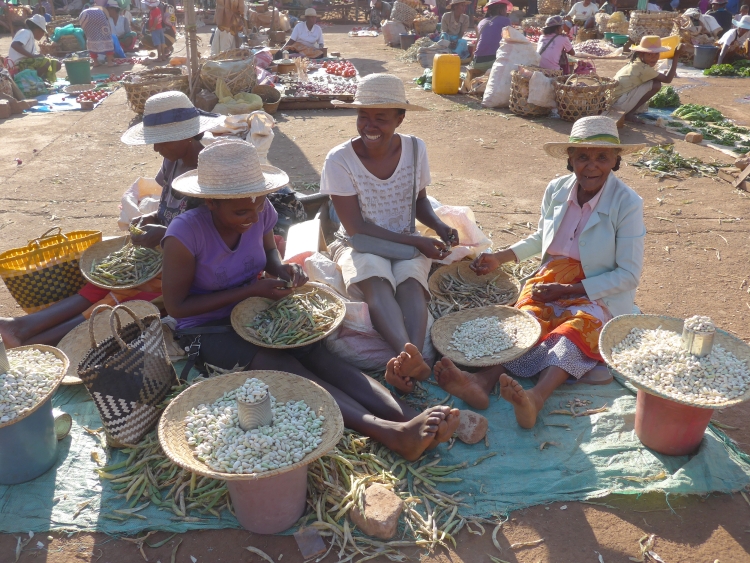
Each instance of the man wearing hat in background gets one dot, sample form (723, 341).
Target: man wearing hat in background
(734, 45)
(307, 37)
(120, 27)
(720, 13)
(24, 51)
(379, 11)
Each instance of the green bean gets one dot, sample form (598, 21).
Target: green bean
(130, 265)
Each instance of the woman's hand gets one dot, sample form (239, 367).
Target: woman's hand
(486, 263)
(148, 219)
(151, 237)
(292, 273)
(548, 292)
(449, 236)
(271, 289)
(431, 247)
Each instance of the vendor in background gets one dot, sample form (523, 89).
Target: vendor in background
(379, 12)
(703, 24)
(120, 27)
(489, 33)
(24, 51)
(454, 25)
(371, 180)
(174, 127)
(95, 24)
(554, 46)
(744, 10)
(307, 37)
(720, 13)
(609, 7)
(591, 239)
(734, 43)
(638, 81)
(582, 13)
(213, 256)
(155, 26)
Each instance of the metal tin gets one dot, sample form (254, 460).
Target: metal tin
(698, 343)
(63, 423)
(29, 447)
(253, 415)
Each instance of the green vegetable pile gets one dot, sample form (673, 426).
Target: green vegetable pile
(737, 68)
(663, 161)
(696, 112)
(667, 97)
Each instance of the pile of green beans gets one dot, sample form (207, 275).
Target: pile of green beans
(130, 265)
(458, 294)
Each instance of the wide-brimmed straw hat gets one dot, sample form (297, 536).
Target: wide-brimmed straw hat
(379, 91)
(743, 22)
(650, 44)
(311, 12)
(592, 132)
(230, 169)
(170, 116)
(39, 21)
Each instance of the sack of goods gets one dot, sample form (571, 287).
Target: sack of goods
(514, 50)
(391, 30)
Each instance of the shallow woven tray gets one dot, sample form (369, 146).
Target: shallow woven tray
(461, 269)
(52, 388)
(77, 342)
(442, 333)
(618, 328)
(283, 386)
(100, 250)
(245, 312)
(78, 88)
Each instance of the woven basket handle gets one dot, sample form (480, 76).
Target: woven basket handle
(48, 235)
(95, 312)
(116, 332)
(571, 77)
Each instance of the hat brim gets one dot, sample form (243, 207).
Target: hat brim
(560, 150)
(188, 184)
(140, 135)
(652, 50)
(29, 22)
(741, 25)
(394, 105)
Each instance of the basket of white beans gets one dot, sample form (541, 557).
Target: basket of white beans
(200, 428)
(647, 351)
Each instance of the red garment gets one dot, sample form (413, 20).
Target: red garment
(98, 296)
(154, 19)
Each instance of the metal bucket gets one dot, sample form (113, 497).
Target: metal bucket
(29, 447)
(705, 56)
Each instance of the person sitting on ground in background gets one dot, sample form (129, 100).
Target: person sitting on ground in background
(554, 46)
(703, 24)
(454, 25)
(371, 180)
(120, 27)
(307, 37)
(744, 10)
(582, 12)
(609, 7)
(174, 127)
(720, 13)
(489, 33)
(734, 43)
(24, 51)
(638, 81)
(155, 27)
(379, 12)
(95, 24)
(213, 255)
(591, 237)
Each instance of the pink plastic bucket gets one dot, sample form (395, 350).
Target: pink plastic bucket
(669, 427)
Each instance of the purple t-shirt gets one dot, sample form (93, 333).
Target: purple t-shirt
(216, 266)
(489, 40)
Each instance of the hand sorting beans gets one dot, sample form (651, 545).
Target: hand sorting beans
(130, 265)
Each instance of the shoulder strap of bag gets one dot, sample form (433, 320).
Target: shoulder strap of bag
(415, 150)
(544, 48)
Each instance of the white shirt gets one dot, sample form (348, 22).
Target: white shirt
(731, 36)
(581, 12)
(308, 37)
(26, 37)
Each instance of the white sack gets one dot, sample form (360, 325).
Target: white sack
(541, 91)
(391, 31)
(472, 240)
(261, 133)
(139, 199)
(514, 50)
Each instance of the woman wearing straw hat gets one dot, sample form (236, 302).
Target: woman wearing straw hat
(24, 51)
(174, 127)
(638, 81)
(489, 33)
(734, 43)
(307, 37)
(454, 24)
(591, 234)
(373, 181)
(213, 255)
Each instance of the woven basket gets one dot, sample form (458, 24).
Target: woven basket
(650, 23)
(77, 342)
(550, 7)
(271, 97)
(240, 81)
(52, 386)
(443, 329)
(618, 27)
(462, 271)
(403, 13)
(586, 34)
(580, 96)
(105, 248)
(425, 26)
(618, 328)
(139, 87)
(69, 44)
(245, 312)
(283, 386)
(519, 91)
(49, 48)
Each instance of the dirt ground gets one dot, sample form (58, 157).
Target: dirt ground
(75, 169)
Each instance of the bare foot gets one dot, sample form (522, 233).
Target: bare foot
(419, 433)
(410, 363)
(403, 384)
(524, 403)
(10, 339)
(448, 427)
(461, 384)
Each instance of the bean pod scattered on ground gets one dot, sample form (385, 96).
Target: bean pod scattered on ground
(28, 381)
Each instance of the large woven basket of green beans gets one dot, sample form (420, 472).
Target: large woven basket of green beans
(125, 273)
(291, 322)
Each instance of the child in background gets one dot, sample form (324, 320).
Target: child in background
(156, 28)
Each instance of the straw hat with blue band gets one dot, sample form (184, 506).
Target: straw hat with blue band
(170, 116)
(595, 131)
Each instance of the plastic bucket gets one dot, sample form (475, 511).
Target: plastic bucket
(668, 427)
(79, 71)
(608, 35)
(620, 39)
(671, 42)
(407, 40)
(29, 447)
(271, 504)
(705, 56)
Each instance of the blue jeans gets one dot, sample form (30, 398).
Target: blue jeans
(157, 37)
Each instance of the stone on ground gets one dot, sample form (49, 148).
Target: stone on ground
(382, 509)
(472, 427)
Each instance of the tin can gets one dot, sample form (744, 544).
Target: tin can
(63, 423)
(253, 415)
(698, 343)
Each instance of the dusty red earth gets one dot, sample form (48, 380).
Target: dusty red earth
(75, 169)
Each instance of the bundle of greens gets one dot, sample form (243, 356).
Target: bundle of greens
(663, 161)
(697, 112)
(667, 97)
(737, 68)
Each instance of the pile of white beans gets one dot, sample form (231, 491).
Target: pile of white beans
(656, 359)
(28, 381)
(252, 391)
(486, 336)
(214, 434)
(700, 324)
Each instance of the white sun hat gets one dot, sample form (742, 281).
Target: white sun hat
(230, 169)
(592, 132)
(743, 22)
(379, 91)
(39, 21)
(170, 116)
(311, 12)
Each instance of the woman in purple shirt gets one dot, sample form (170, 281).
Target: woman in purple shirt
(213, 255)
(489, 33)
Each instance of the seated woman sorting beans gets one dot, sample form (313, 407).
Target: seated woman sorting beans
(213, 255)
(590, 235)
(372, 180)
(174, 127)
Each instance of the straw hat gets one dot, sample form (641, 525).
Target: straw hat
(39, 21)
(167, 117)
(743, 22)
(379, 91)
(311, 12)
(591, 132)
(230, 169)
(650, 44)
